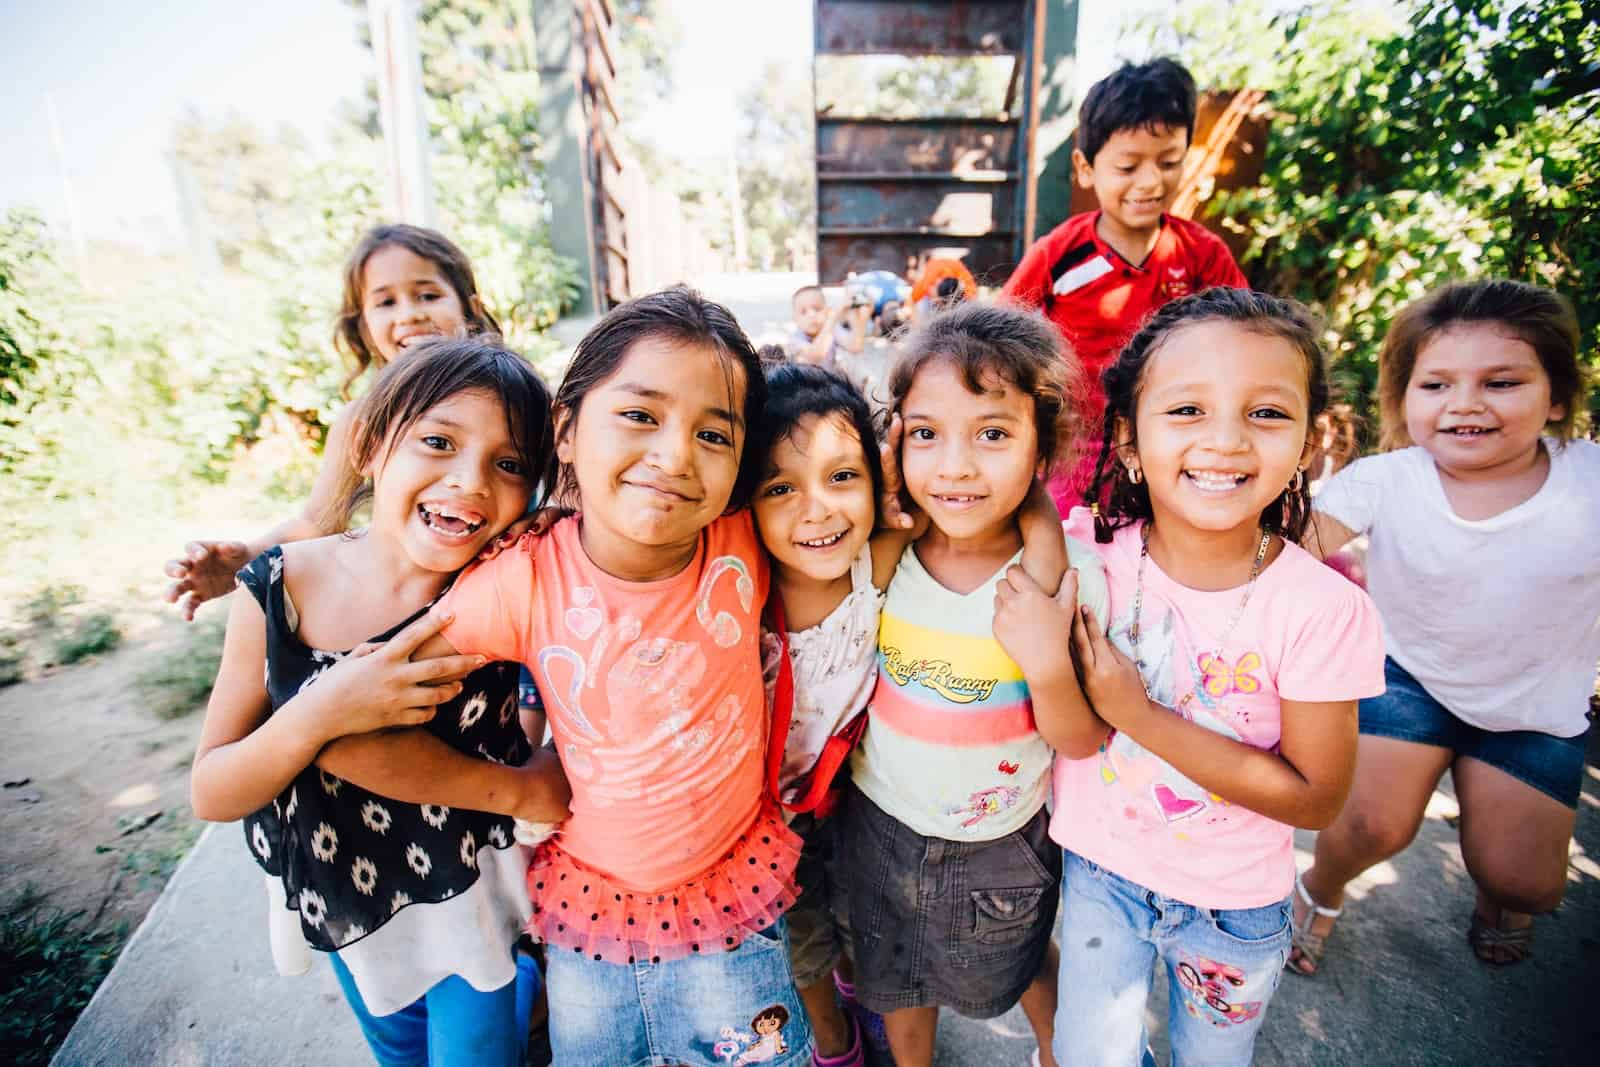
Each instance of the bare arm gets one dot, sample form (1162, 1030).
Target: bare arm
(899, 527)
(246, 757)
(1044, 545)
(1326, 535)
(1036, 631)
(414, 766)
(1303, 784)
(207, 568)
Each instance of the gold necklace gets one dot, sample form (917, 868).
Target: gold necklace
(1138, 606)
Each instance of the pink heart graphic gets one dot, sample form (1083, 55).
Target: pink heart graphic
(584, 621)
(1173, 807)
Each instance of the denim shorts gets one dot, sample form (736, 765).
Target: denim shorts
(959, 924)
(1223, 966)
(1407, 712)
(818, 927)
(701, 1011)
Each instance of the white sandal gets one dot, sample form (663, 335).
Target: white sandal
(1310, 945)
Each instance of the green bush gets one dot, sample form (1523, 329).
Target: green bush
(179, 682)
(1447, 140)
(52, 962)
(87, 636)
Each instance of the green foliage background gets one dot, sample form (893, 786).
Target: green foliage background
(1412, 144)
(127, 383)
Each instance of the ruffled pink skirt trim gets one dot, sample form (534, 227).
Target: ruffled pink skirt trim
(578, 909)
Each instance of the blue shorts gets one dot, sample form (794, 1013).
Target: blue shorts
(736, 1007)
(1408, 712)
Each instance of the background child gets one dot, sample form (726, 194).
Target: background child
(821, 334)
(1483, 522)
(402, 285)
(951, 893)
(452, 439)
(1228, 676)
(1098, 275)
(816, 508)
(661, 899)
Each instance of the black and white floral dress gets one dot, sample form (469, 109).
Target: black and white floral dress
(351, 861)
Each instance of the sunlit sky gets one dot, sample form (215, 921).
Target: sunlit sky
(120, 75)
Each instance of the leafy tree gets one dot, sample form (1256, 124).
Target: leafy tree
(1457, 139)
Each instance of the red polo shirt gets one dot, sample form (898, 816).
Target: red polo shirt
(1098, 299)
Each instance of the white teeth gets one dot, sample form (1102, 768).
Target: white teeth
(1215, 481)
(824, 542)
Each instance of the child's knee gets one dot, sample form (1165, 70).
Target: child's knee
(1378, 833)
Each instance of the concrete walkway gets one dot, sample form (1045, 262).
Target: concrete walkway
(195, 984)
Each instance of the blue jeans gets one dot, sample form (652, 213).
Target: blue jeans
(1222, 968)
(723, 1008)
(450, 1024)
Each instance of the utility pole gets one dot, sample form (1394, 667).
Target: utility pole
(400, 110)
(74, 221)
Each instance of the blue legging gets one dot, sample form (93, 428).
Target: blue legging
(452, 1023)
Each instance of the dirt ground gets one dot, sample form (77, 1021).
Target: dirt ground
(94, 812)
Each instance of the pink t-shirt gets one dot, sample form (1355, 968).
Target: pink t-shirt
(1307, 634)
(653, 691)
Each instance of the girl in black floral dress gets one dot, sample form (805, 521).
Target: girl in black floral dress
(376, 792)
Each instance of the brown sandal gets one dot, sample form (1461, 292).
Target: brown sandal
(1309, 945)
(1496, 946)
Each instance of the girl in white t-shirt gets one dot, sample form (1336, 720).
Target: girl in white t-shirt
(1483, 519)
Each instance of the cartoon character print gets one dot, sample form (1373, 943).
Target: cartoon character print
(1208, 984)
(982, 804)
(722, 626)
(763, 1046)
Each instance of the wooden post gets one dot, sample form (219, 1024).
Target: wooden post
(400, 110)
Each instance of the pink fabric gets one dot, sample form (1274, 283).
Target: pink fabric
(654, 695)
(1307, 635)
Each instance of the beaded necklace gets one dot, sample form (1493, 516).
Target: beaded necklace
(1138, 605)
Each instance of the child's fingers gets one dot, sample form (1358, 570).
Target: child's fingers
(1081, 640)
(1018, 580)
(414, 716)
(1068, 593)
(196, 551)
(441, 669)
(418, 631)
(427, 696)
(176, 568)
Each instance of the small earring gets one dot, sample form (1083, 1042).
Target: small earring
(1135, 475)
(1298, 480)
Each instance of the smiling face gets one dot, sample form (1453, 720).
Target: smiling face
(449, 482)
(405, 299)
(968, 458)
(1221, 424)
(1135, 175)
(654, 449)
(815, 506)
(1478, 399)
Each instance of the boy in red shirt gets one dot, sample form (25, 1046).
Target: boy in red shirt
(1097, 275)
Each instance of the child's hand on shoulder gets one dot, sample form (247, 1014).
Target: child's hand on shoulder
(378, 686)
(1110, 679)
(1034, 628)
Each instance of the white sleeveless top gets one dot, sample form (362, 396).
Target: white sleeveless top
(835, 666)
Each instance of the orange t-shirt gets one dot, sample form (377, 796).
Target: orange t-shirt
(653, 691)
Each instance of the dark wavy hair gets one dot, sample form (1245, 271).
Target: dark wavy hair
(1123, 502)
(796, 391)
(435, 247)
(682, 316)
(1538, 317)
(433, 372)
(1136, 96)
(1020, 348)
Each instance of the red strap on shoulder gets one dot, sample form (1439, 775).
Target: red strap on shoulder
(815, 796)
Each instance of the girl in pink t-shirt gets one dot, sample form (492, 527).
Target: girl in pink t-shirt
(661, 898)
(1228, 672)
